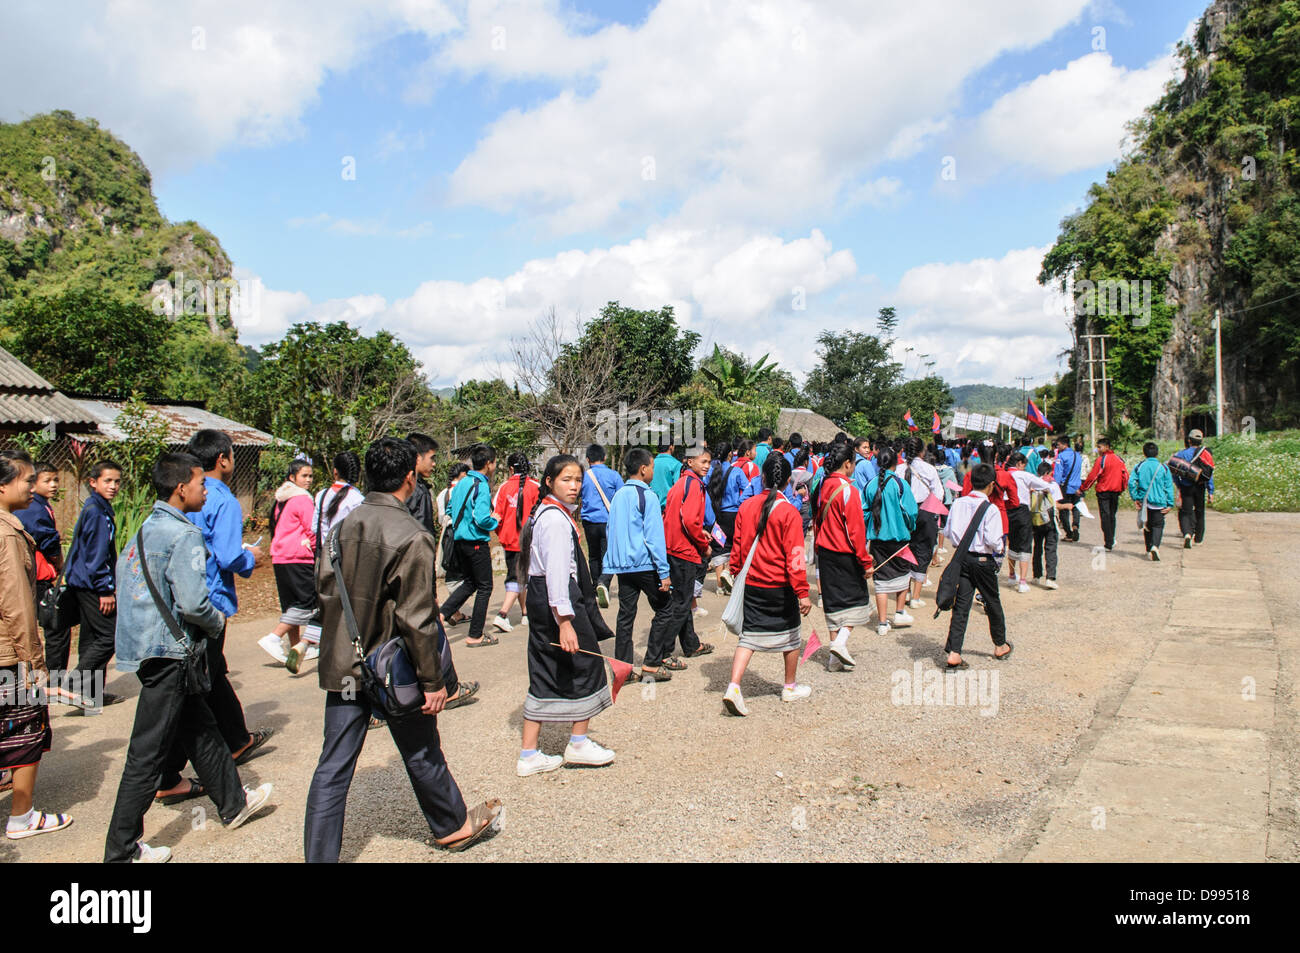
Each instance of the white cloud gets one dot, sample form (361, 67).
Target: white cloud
(736, 286)
(181, 83)
(984, 321)
(1063, 121)
(751, 113)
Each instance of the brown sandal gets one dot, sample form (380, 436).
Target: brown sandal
(488, 817)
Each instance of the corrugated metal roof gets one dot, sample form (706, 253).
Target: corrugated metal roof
(34, 411)
(182, 422)
(15, 375)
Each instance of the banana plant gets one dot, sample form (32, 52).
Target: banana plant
(731, 379)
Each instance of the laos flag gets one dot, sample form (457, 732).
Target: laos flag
(937, 425)
(907, 419)
(1036, 416)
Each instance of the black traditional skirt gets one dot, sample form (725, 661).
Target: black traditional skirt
(890, 575)
(1020, 545)
(845, 598)
(771, 619)
(24, 728)
(719, 555)
(924, 537)
(296, 585)
(562, 687)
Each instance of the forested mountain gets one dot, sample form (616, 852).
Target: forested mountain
(1205, 208)
(988, 399)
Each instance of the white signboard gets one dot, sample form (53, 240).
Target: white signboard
(1007, 419)
(961, 420)
(1020, 424)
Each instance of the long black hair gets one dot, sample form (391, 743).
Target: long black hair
(348, 466)
(718, 478)
(776, 474)
(886, 459)
(838, 455)
(554, 467)
(295, 466)
(518, 462)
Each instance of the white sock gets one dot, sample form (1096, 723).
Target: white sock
(842, 636)
(19, 821)
(731, 685)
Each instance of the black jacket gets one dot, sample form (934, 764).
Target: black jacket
(420, 506)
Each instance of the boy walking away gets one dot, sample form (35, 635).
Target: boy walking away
(24, 722)
(1068, 472)
(667, 471)
(90, 574)
(687, 543)
(638, 555)
(38, 521)
(221, 521)
(165, 615)
(471, 527)
(1152, 488)
(386, 561)
(1020, 540)
(1043, 505)
(979, 568)
(515, 500)
(598, 487)
(1111, 476)
(1192, 493)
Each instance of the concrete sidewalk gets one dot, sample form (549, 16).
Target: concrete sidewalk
(1179, 770)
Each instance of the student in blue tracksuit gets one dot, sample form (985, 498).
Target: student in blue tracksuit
(599, 484)
(755, 486)
(865, 468)
(472, 526)
(1151, 486)
(763, 447)
(637, 554)
(1068, 474)
(667, 471)
(91, 577)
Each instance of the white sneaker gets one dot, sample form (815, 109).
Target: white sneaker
(602, 598)
(916, 603)
(275, 646)
(728, 581)
(927, 584)
(841, 652)
(588, 753)
(701, 612)
(882, 629)
(313, 651)
(1155, 554)
(1023, 587)
(152, 855)
(902, 619)
(502, 623)
(537, 763)
(1050, 584)
(734, 702)
(257, 798)
(795, 694)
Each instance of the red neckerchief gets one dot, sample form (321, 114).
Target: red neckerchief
(552, 501)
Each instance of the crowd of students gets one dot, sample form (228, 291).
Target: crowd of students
(353, 568)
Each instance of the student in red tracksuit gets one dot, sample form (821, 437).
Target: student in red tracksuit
(776, 587)
(1111, 477)
(688, 546)
(842, 561)
(514, 501)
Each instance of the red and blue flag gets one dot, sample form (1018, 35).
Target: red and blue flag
(1036, 416)
(938, 424)
(911, 424)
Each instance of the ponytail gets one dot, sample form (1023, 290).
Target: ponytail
(886, 459)
(348, 466)
(519, 463)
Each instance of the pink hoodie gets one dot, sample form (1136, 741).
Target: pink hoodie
(293, 541)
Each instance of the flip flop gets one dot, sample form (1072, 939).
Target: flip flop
(196, 790)
(256, 740)
(488, 639)
(375, 723)
(949, 667)
(488, 817)
(1007, 655)
(454, 622)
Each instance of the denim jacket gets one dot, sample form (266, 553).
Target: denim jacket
(177, 558)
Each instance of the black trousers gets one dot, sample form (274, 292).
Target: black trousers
(1045, 549)
(1191, 511)
(1070, 518)
(1153, 528)
(978, 572)
(165, 716)
(630, 587)
(597, 544)
(97, 641)
(478, 583)
(678, 619)
(1107, 509)
(225, 707)
(417, 741)
(58, 644)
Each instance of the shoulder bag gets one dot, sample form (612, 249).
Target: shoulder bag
(197, 680)
(57, 609)
(946, 593)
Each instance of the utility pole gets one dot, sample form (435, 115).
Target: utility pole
(1094, 380)
(1024, 397)
(1218, 375)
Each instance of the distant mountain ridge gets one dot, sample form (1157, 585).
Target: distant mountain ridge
(988, 399)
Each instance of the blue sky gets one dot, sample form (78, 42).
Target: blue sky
(734, 160)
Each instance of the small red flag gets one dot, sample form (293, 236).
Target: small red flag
(813, 645)
(906, 553)
(621, 672)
